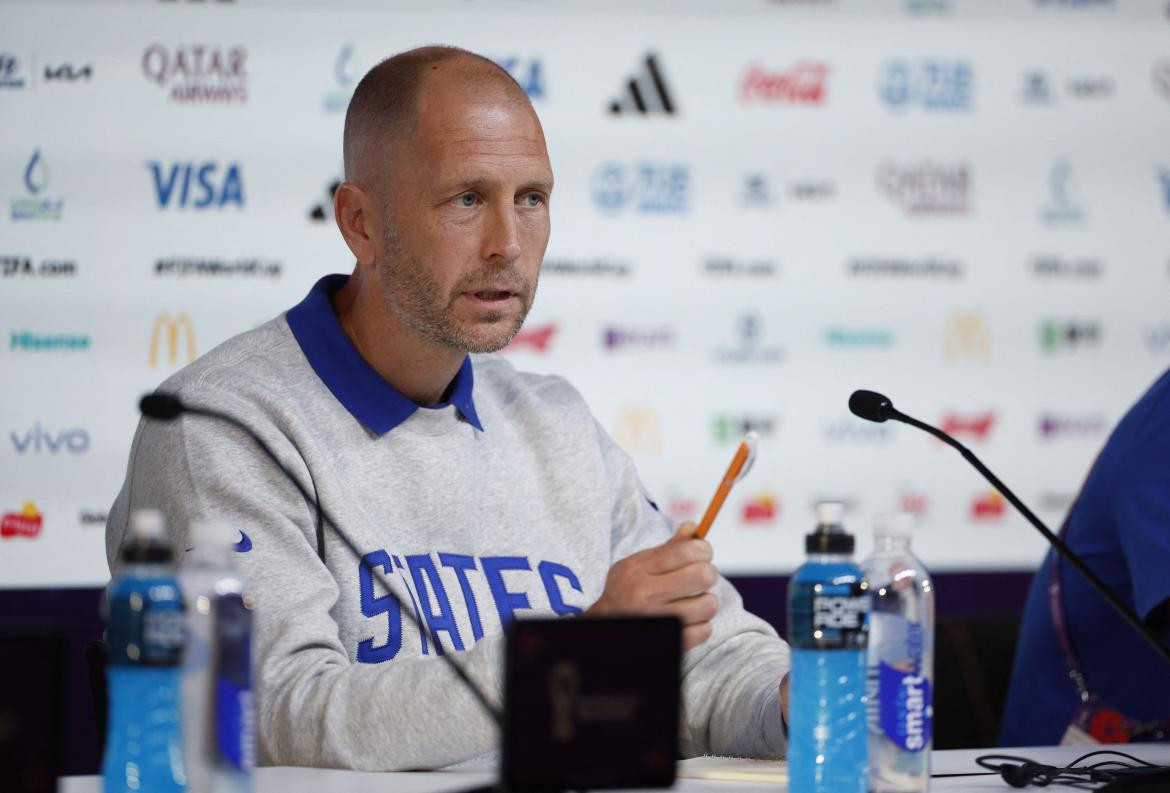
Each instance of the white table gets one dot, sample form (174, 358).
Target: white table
(287, 779)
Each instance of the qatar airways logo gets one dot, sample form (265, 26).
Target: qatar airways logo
(198, 73)
(802, 84)
(927, 188)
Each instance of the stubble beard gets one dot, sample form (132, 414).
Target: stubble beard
(414, 296)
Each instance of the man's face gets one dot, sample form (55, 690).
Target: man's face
(467, 222)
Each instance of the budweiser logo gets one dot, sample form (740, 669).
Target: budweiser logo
(537, 339)
(803, 84)
(26, 523)
(976, 427)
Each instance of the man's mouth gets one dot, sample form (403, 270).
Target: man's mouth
(491, 298)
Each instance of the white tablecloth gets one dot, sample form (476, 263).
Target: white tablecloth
(313, 780)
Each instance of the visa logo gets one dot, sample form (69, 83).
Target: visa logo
(38, 439)
(528, 72)
(198, 185)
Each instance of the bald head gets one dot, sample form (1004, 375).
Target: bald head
(383, 115)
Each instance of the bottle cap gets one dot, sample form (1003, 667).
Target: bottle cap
(893, 524)
(213, 533)
(830, 513)
(829, 536)
(146, 540)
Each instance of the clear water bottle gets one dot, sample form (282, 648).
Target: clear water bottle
(828, 607)
(145, 638)
(219, 716)
(900, 674)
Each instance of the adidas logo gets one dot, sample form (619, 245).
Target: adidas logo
(645, 93)
(324, 210)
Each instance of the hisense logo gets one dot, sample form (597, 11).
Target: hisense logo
(27, 341)
(871, 338)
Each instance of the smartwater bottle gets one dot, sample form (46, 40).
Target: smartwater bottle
(827, 617)
(219, 722)
(145, 638)
(900, 675)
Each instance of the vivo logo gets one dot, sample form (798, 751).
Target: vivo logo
(198, 185)
(40, 440)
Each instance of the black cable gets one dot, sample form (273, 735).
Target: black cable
(171, 410)
(1026, 772)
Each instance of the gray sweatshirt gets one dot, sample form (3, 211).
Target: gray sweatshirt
(507, 501)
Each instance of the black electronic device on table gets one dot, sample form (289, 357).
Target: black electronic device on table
(591, 703)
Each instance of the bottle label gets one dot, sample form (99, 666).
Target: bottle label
(829, 616)
(235, 726)
(162, 635)
(906, 712)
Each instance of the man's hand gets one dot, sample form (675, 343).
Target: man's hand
(672, 578)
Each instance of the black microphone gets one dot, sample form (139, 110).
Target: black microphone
(162, 406)
(873, 406)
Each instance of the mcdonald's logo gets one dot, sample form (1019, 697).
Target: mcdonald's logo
(170, 327)
(967, 337)
(637, 430)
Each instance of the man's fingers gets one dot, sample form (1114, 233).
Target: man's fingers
(675, 554)
(685, 530)
(695, 610)
(681, 583)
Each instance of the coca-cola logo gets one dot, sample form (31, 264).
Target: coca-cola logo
(803, 84)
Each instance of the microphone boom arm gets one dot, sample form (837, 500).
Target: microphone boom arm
(1054, 540)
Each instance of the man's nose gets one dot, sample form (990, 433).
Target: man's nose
(501, 241)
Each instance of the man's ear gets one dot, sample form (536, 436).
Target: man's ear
(359, 220)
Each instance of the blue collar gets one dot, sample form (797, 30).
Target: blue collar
(372, 401)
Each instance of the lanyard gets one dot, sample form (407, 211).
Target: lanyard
(1072, 661)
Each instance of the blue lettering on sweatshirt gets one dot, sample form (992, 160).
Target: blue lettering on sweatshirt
(506, 602)
(367, 651)
(461, 563)
(445, 619)
(435, 607)
(549, 572)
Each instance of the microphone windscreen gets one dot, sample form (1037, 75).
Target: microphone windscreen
(161, 406)
(870, 405)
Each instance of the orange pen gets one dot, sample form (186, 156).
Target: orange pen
(741, 463)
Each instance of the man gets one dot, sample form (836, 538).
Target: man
(1081, 673)
(481, 492)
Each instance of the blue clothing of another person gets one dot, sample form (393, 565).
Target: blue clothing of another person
(1120, 526)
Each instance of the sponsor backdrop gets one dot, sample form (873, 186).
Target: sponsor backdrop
(760, 206)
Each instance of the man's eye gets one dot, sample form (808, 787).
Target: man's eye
(532, 200)
(466, 200)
